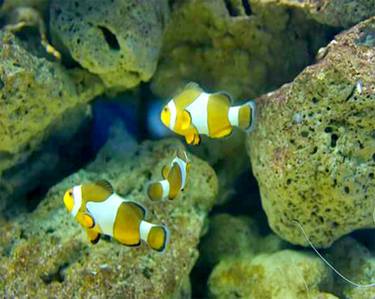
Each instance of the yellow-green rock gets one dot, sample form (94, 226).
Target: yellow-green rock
(313, 147)
(117, 40)
(38, 99)
(46, 252)
(242, 49)
(284, 274)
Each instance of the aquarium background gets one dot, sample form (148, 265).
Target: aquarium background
(82, 84)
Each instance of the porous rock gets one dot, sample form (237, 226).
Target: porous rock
(38, 99)
(242, 47)
(117, 40)
(47, 252)
(313, 148)
(284, 274)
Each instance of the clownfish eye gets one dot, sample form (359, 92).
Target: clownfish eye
(70, 193)
(165, 109)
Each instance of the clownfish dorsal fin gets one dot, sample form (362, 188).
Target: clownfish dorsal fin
(105, 185)
(193, 85)
(223, 97)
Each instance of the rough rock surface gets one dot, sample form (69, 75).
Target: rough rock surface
(228, 45)
(117, 40)
(46, 252)
(38, 98)
(357, 263)
(313, 148)
(284, 274)
(7, 6)
(339, 13)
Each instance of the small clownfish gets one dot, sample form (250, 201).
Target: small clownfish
(193, 112)
(101, 211)
(175, 179)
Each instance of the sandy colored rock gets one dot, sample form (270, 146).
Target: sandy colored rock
(284, 274)
(242, 49)
(313, 148)
(47, 252)
(118, 40)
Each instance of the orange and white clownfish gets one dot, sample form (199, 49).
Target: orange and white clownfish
(175, 179)
(102, 212)
(193, 112)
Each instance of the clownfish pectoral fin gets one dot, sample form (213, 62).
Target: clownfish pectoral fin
(165, 171)
(105, 185)
(85, 220)
(156, 236)
(185, 120)
(93, 236)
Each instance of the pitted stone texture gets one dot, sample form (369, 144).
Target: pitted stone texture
(313, 148)
(117, 40)
(245, 50)
(38, 99)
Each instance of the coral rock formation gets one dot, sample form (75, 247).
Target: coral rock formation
(117, 40)
(284, 274)
(38, 98)
(242, 49)
(313, 150)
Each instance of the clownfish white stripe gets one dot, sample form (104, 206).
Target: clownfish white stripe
(77, 195)
(104, 212)
(233, 115)
(198, 112)
(182, 166)
(165, 186)
(144, 229)
(173, 111)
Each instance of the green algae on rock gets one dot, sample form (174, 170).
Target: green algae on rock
(284, 274)
(313, 149)
(225, 46)
(117, 40)
(50, 254)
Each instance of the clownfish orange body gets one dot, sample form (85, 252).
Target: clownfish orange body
(175, 177)
(103, 212)
(193, 112)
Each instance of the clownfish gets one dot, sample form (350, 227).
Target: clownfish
(175, 177)
(102, 212)
(193, 112)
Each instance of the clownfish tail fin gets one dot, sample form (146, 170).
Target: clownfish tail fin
(158, 190)
(243, 116)
(156, 236)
